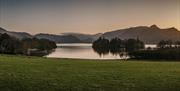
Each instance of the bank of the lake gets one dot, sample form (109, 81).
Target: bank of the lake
(22, 73)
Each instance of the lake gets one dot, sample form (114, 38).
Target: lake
(83, 51)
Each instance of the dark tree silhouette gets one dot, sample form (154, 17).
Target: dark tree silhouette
(101, 46)
(166, 50)
(133, 45)
(162, 44)
(117, 46)
(11, 45)
(177, 44)
(165, 44)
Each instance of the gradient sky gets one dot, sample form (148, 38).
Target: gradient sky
(86, 16)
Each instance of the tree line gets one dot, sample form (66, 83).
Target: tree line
(168, 44)
(166, 49)
(116, 45)
(11, 45)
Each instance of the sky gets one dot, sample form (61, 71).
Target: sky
(86, 16)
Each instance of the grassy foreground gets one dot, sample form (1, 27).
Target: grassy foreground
(19, 73)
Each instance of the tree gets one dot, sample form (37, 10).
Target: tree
(165, 44)
(162, 44)
(7, 46)
(116, 45)
(134, 45)
(169, 43)
(41, 44)
(11, 45)
(177, 44)
(101, 46)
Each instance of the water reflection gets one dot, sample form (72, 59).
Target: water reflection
(84, 51)
(115, 52)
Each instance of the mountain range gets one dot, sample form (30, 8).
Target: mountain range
(150, 35)
(61, 38)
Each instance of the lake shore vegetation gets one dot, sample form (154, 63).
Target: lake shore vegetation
(11, 45)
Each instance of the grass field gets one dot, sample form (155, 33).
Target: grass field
(20, 73)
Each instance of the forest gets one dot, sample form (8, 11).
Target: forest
(11, 45)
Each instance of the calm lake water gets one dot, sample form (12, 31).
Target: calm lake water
(83, 51)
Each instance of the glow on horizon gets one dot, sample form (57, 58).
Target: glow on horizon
(86, 16)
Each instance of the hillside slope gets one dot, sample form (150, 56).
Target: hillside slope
(151, 34)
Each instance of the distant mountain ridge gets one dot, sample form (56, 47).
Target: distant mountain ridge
(19, 35)
(62, 38)
(69, 37)
(85, 37)
(152, 34)
(59, 38)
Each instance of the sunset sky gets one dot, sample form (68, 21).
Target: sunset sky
(86, 16)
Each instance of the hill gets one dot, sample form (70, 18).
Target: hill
(152, 34)
(19, 35)
(89, 38)
(59, 38)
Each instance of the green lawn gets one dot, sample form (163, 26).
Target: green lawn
(20, 73)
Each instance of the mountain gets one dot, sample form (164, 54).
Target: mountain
(152, 34)
(59, 38)
(19, 35)
(70, 37)
(88, 38)
(65, 38)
